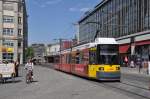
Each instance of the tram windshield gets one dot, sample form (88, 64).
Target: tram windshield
(108, 54)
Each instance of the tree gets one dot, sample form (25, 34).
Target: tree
(29, 53)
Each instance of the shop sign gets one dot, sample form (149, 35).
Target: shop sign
(10, 50)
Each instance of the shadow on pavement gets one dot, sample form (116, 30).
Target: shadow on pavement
(10, 82)
(35, 81)
(20, 76)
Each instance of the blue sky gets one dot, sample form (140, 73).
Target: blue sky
(53, 19)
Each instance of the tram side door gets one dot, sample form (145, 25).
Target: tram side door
(92, 62)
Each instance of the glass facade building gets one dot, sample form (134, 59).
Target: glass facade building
(115, 18)
(126, 20)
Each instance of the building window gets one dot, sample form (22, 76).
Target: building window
(8, 43)
(8, 19)
(8, 56)
(19, 32)
(19, 7)
(19, 20)
(8, 6)
(8, 31)
(19, 44)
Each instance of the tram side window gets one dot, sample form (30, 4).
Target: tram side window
(85, 58)
(77, 58)
(93, 57)
(68, 58)
(73, 58)
(62, 58)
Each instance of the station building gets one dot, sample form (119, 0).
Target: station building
(53, 50)
(126, 20)
(39, 52)
(52, 53)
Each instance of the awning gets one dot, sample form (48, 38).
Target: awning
(124, 48)
(143, 43)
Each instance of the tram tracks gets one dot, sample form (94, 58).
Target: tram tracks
(123, 86)
(131, 84)
(127, 88)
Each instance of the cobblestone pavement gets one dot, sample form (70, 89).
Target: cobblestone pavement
(51, 84)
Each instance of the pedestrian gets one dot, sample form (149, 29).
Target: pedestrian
(16, 63)
(139, 63)
(126, 61)
(132, 64)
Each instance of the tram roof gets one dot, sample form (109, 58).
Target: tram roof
(92, 44)
(84, 46)
(97, 41)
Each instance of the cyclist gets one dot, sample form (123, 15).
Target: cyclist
(29, 67)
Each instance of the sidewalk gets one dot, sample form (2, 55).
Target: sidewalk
(135, 71)
(133, 77)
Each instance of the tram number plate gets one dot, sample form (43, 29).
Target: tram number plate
(110, 69)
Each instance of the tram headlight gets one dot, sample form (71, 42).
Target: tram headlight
(117, 68)
(101, 68)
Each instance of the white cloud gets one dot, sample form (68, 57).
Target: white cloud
(45, 3)
(73, 9)
(84, 9)
(53, 1)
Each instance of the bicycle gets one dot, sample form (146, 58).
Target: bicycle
(29, 77)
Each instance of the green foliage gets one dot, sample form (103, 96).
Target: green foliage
(29, 52)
